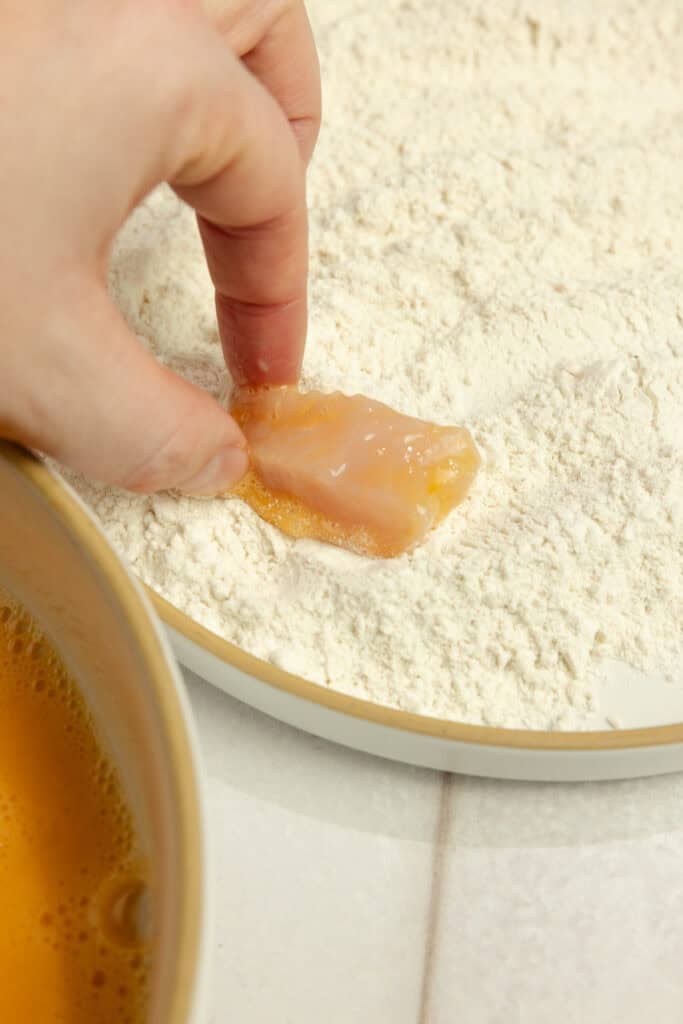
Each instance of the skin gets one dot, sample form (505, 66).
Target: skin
(99, 103)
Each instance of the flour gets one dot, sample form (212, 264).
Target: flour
(497, 241)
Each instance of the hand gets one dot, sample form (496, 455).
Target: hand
(99, 102)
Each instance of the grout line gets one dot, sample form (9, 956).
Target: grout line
(441, 835)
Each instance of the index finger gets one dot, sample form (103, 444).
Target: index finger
(242, 172)
(285, 60)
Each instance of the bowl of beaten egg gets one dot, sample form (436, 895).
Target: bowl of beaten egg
(102, 871)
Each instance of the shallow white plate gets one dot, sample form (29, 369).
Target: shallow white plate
(649, 740)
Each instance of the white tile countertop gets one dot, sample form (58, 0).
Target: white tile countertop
(350, 889)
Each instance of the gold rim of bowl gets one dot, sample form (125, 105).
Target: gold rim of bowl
(182, 773)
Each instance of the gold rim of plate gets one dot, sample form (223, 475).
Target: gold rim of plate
(333, 700)
(423, 725)
(94, 546)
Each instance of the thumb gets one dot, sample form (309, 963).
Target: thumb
(114, 413)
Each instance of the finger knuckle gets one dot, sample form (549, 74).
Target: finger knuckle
(166, 466)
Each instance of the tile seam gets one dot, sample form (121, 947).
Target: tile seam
(441, 843)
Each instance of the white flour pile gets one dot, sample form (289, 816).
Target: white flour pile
(497, 240)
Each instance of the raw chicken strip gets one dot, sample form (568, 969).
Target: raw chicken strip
(349, 470)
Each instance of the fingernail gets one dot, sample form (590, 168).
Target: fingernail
(219, 474)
